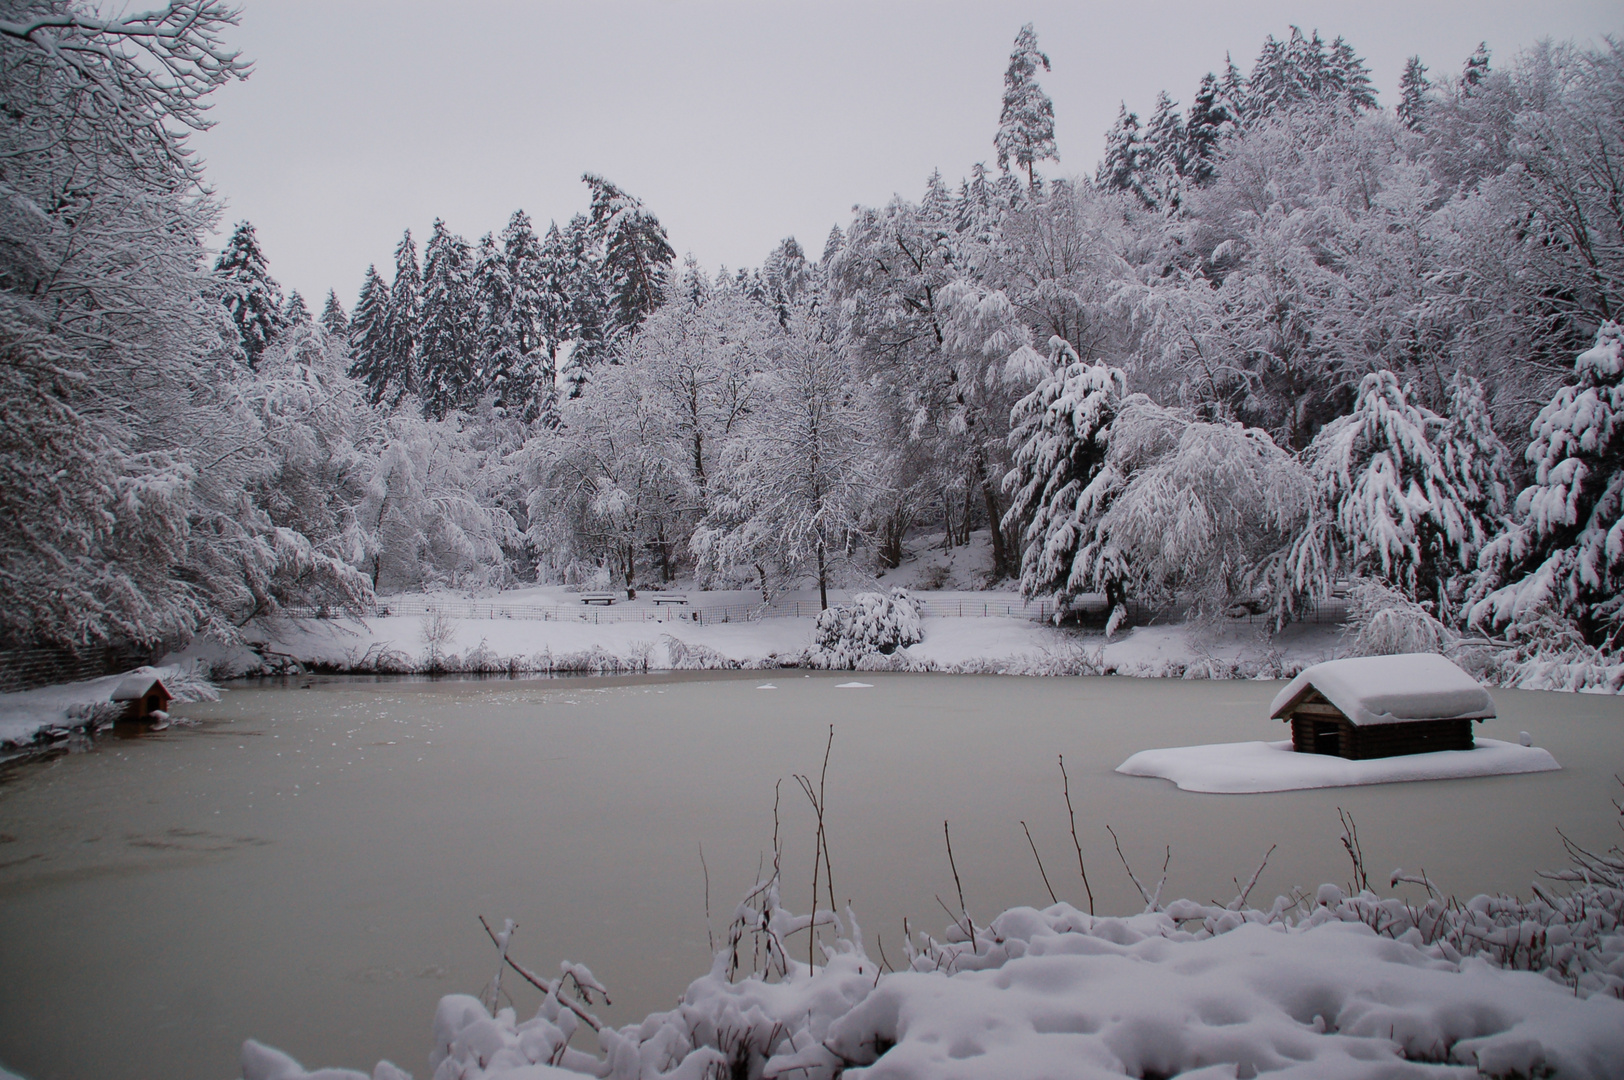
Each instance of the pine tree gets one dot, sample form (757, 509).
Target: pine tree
(370, 352)
(1163, 163)
(1412, 94)
(446, 339)
(1208, 120)
(1476, 69)
(637, 257)
(1566, 549)
(249, 292)
(400, 360)
(533, 316)
(581, 302)
(333, 319)
(1120, 168)
(499, 366)
(1026, 124)
(296, 313)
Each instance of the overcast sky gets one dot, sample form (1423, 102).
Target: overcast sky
(737, 123)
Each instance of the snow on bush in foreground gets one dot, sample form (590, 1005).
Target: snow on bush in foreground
(1328, 987)
(871, 625)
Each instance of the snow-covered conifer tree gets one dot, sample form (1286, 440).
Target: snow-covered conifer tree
(1412, 94)
(333, 319)
(447, 340)
(499, 367)
(1163, 162)
(249, 292)
(296, 312)
(1403, 511)
(1060, 433)
(369, 339)
(535, 315)
(1026, 124)
(637, 257)
(399, 360)
(1208, 120)
(1121, 169)
(1565, 550)
(1476, 68)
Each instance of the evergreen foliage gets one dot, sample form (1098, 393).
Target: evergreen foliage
(249, 293)
(1565, 550)
(333, 318)
(1412, 94)
(447, 336)
(1026, 124)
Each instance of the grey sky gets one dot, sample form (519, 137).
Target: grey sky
(738, 124)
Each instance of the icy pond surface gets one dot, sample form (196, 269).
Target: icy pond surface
(306, 865)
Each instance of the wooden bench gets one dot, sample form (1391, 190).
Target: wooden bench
(670, 598)
(598, 598)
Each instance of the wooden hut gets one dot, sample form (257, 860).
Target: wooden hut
(1382, 706)
(144, 693)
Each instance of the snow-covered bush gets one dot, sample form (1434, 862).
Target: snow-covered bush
(1384, 622)
(1566, 548)
(872, 623)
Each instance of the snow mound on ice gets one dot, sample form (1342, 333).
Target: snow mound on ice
(1275, 766)
(1390, 689)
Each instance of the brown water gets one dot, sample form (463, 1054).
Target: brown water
(306, 866)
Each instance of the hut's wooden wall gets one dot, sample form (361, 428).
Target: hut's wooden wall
(1384, 740)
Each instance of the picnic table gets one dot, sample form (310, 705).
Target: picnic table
(598, 598)
(670, 598)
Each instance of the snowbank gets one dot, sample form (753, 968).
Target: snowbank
(1275, 766)
(1386, 689)
(1197, 991)
(56, 711)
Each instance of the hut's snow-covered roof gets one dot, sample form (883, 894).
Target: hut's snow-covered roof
(137, 685)
(1391, 689)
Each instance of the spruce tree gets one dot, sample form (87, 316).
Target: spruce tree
(400, 324)
(583, 301)
(1208, 119)
(249, 292)
(1120, 167)
(333, 319)
(296, 313)
(370, 355)
(1565, 550)
(1163, 165)
(1476, 69)
(1026, 124)
(637, 257)
(446, 337)
(1412, 94)
(534, 306)
(499, 365)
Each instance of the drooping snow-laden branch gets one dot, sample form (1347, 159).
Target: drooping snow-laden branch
(137, 73)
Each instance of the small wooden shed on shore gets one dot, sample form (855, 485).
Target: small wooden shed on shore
(144, 694)
(1382, 706)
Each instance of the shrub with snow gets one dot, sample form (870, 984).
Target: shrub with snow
(1384, 622)
(872, 624)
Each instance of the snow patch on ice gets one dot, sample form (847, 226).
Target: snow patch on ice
(1275, 766)
(854, 686)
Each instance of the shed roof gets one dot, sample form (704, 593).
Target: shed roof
(1391, 689)
(138, 685)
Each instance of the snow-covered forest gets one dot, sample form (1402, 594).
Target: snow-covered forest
(1282, 337)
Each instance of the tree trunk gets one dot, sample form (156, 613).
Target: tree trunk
(1000, 551)
(631, 571)
(823, 578)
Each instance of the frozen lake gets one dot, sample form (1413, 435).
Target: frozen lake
(305, 866)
